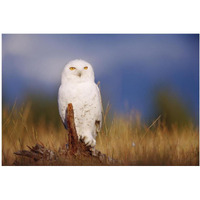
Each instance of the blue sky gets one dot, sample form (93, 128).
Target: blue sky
(129, 67)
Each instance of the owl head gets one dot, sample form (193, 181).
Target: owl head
(77, 71)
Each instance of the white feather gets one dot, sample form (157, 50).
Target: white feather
(84, 94)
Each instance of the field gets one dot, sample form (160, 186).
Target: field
(123, 137)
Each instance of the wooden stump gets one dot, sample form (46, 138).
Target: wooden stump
(75, 145)
(76, 151)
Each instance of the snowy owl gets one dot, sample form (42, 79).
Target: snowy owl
(78, 87)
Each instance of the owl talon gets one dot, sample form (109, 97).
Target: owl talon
(89, 141)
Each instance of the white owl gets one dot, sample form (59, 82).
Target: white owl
(78, 87)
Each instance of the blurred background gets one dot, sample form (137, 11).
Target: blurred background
(152, 74)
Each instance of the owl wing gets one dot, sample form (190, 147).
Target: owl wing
(62, 104)
(98, 121)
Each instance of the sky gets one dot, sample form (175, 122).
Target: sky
(129, 67)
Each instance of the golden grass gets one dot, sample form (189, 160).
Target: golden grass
(125, 139)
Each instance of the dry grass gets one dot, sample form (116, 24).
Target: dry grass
(125, 139)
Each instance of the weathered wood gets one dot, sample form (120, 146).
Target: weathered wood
(72, 134)
(38, 152)
(76, 148)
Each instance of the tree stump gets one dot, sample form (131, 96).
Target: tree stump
(76, 152)
(75, 146)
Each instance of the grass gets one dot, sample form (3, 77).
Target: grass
(125, 139)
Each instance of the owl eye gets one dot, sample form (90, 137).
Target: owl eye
(72, 68)
(85, 67)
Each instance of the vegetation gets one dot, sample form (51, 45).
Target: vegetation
(125, 138)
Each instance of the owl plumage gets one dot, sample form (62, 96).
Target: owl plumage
(79, 88)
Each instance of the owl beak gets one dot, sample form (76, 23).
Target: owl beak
(79, 74)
